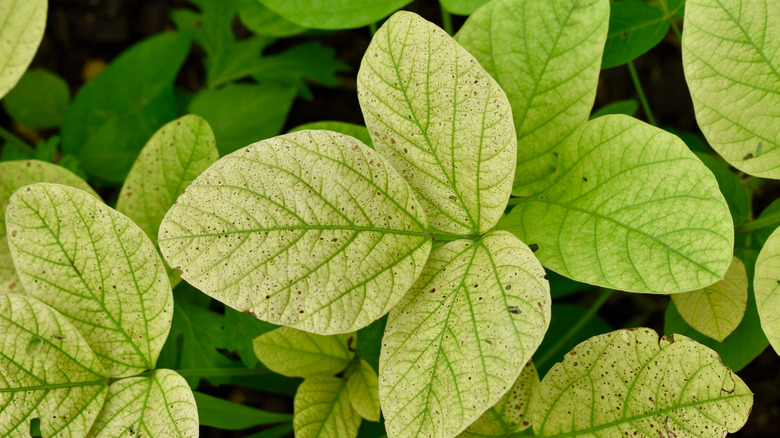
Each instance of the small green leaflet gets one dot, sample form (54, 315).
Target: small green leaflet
(40, 100)
(736, 98)
(626, 382)
(311, 230)
(97, 268)
(21, 33)
(767, 287)
(295, 353)
(460, 338)
(638, 202)
(363, 389)
(634, 28)
(441, 120)
(325, 14)
(322, 409)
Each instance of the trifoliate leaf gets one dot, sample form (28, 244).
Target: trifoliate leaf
(632, 209)
(625, 382)
(295, 353)
(767, 286)
(48, 372)
(311, 230)
(21, 33)
(441, 120)
(322, 409)
(99, 270)
(458, 340)
(363, 390)
(344, 14)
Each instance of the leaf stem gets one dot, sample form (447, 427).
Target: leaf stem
(372, 28)
(446, 19)
(641, 93)
(762, 222)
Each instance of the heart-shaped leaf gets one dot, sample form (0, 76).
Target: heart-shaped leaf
(295, 353)
(322, 409)
(767, 287)
(21, 33)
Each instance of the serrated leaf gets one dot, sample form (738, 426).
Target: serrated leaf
(295, 353)
(322, 409)
(363, 389)
(21, 33)
(60, 381)
(262, 21)
(736, 98)
(546, 56)
(13, 176)
(160, 405)
(767, 287)
(351, 129)
(458, 340)
(441, 120)
(634, 28)
(39, 100)
(324, 14)
(631, 209)
(99, 270)
(311, 230)
(462, 7)
(626, 381)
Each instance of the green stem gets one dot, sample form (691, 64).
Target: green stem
(762, 222)
(446, 19)
(372, 28)
(641, 92)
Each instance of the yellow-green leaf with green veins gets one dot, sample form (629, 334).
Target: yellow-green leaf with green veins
(731, 55)
(21, 32)
(767, 287)
(13, 176)
(460, 338)
(159, 405)
(717, 309)
(546, 55)
(311, 230)
(441, 120)
(632, 209)
(97, 268)
(363, 389)
(321, 409)
(626, 383)
(295, 353)
(58, 380)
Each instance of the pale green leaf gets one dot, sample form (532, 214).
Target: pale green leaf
(632, 209)
(441, 120)
(341, 14)
(460, 338)
(159, 405)
(23, 22)
(97, 268)
(626, 383)
(462, 7)
(311, 230)
(363, 388)
(13, 176)
(767, 287)
(546, 55)
(717, 309)
(295, 353)
(322, 409)
(59, 381)
(731, 55)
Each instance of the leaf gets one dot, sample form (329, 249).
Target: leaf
(226, 415)
(20, 36)
(716, 310)
(13, 176)
(322, 409)
(61, 381)
(362, 387)
(158, 405)
(311, 230)
(441, 120)
(767, 287)
(634, 28)
(244, 329)
(99, 270)
(458, 340)
(628, 107)
(369, 347)
(351, 129)
(39, 100)
(262, 21)
(652, 221)
(731, 187)
(736, 98)
(762, 234)
(462, 7)
(295, 353)
(626, 381)
(546, 56)
(322, 14)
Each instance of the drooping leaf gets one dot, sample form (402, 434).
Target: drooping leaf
(97, 268)
(345, 14)
(357, 131)
(224, 414)
(546, 56)
(159, 405)
(644, 209)
(311, 230)
(20, 35)
(441, 120)
(634, 28)
(39, 100)
(322, 409)
(767, 287)
(730, 185)
(363, 389)
(625, 381)
(462, 7)
(48, 372)
(243, 330)
(628, 107)
(736, 98)
(262, 21)
(458, 340)
(295, 353)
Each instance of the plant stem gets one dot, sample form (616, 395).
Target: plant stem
(762, 222)
(641, 92)
(372, 28)
(446, 19)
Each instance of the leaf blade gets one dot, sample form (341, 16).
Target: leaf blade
(322, 409)
(295, 353)
(767, 287)
(21, 34)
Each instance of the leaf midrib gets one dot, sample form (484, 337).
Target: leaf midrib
(324, 227)
(54, 386)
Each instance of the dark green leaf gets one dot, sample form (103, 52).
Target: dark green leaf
(39, 100)
(370, 342)
(634, 28)
(561, 286)
(274, 432)
(263, 21)
(242, 330)
(763, 234)
(223, 414)
(357, 131)
(729, 185)
(627, 107)
(310, 61)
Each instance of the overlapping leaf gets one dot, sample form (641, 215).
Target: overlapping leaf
(21, 33)
(363, 389)
(343, 14)
(296, 353)
(322, 409)
(767, 286)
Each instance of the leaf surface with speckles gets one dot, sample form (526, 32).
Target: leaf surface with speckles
(767, 287)
(295, 353)
(322, 409)
(23, 22)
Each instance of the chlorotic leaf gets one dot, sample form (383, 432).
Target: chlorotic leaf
(295, 353)
(97, 268)
(21, 33)
(462, 7)
(363, 388)
(160, 405)
(634, 28)
(13, 176)
(736, 98)
(460, 338)
(716, 310)
(626, 382)
(767, 287)
(546, 56)
(344, 14)
(441, 120)
(311, 230)
(322, 409)
(48, 372)
(651, 220)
